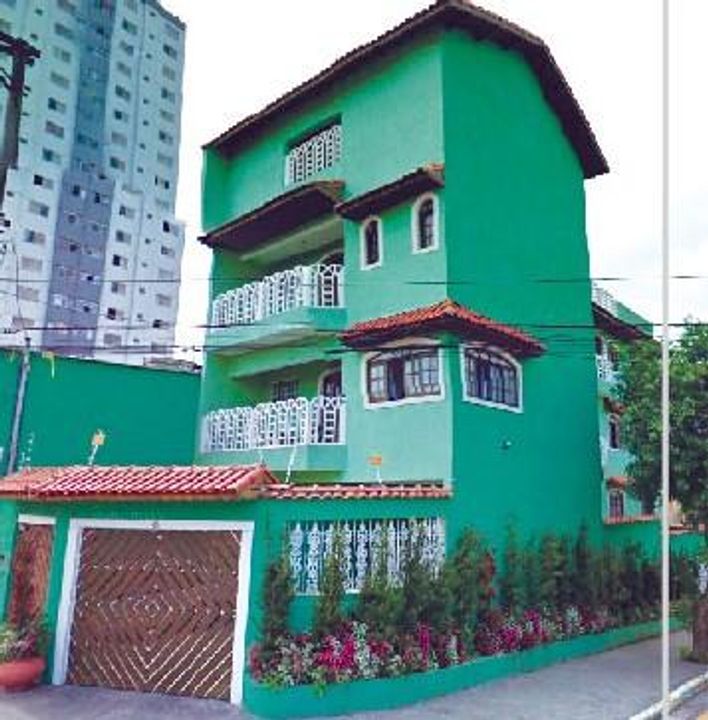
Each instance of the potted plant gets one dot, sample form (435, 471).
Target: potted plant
(22, 651)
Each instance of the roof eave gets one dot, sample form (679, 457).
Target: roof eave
(445, 13)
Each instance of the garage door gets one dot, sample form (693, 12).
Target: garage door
(155, 611)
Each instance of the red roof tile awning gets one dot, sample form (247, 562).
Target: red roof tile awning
(137, 483)
(444, 316)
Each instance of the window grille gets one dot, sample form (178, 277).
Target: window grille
(314, 154)
(311, 542)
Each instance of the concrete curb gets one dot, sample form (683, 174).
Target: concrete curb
(678, 697)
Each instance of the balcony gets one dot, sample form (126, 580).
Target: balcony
(290, 302)
(317, 425)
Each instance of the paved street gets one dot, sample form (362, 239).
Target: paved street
(611, 686)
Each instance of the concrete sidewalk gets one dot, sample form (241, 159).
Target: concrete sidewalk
(610, 686)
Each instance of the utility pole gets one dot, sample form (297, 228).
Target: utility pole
(23, 55)
(22, 379)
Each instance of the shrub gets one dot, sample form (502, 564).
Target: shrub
(379, 601)
(328, 611)
(424, 597)
(511, 584)
(584, 580)
(532, 578)
(462, 577)
(26, 641)
(548, 569)
(278, 593)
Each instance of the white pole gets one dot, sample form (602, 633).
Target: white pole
(665, 414)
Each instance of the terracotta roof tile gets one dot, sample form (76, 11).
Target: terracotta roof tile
(443, 316)
(479, 23)
(131, 482)
(618, 481)
(369, 491)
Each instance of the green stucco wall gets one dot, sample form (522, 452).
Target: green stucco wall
(148, 415)
(517, 251)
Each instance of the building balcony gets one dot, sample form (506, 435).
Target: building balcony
(291, 302)
(301, 433)
(606, 373)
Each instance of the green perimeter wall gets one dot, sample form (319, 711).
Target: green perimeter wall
(148, 415)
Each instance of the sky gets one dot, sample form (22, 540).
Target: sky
(240, 55)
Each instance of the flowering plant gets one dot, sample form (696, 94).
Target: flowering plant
(20, 643)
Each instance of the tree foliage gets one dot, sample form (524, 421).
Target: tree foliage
(640, 393)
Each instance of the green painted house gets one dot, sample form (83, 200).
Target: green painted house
(401, 327)
(617, 326)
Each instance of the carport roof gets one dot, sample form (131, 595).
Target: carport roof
(136, 483)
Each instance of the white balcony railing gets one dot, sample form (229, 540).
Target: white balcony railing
(605, 369)
(604, 299)
(300, 421)
(319, 286)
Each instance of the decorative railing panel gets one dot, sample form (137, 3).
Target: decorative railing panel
(311, 542)
(316, 153)
(318, 286)
(299, 421)
(605, 369)
(604, 299)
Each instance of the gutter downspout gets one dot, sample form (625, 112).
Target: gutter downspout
(22, 378)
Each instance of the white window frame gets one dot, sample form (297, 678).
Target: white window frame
(72, 558)
(414, 344)
(415, 234)
(509, 358)
(362, 243)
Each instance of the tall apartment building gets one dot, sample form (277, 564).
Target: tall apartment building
(92, 202)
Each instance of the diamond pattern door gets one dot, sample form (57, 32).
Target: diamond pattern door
(155, 611)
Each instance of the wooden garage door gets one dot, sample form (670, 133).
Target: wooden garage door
(31, 561)
(155, 611)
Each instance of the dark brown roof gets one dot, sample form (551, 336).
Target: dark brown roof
(482, 25)
(387, 196)
(443, 316)
(285, 213)
(611, 324)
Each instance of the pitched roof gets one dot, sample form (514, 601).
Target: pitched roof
(482, 25)
(616, 327)
(428, 177)
(443, 316)
(344, 491)
(278, 216)
(136, 483)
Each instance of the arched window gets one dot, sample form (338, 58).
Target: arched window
(616, 503)
(371, 248)
(491, 378)
(425, 224)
